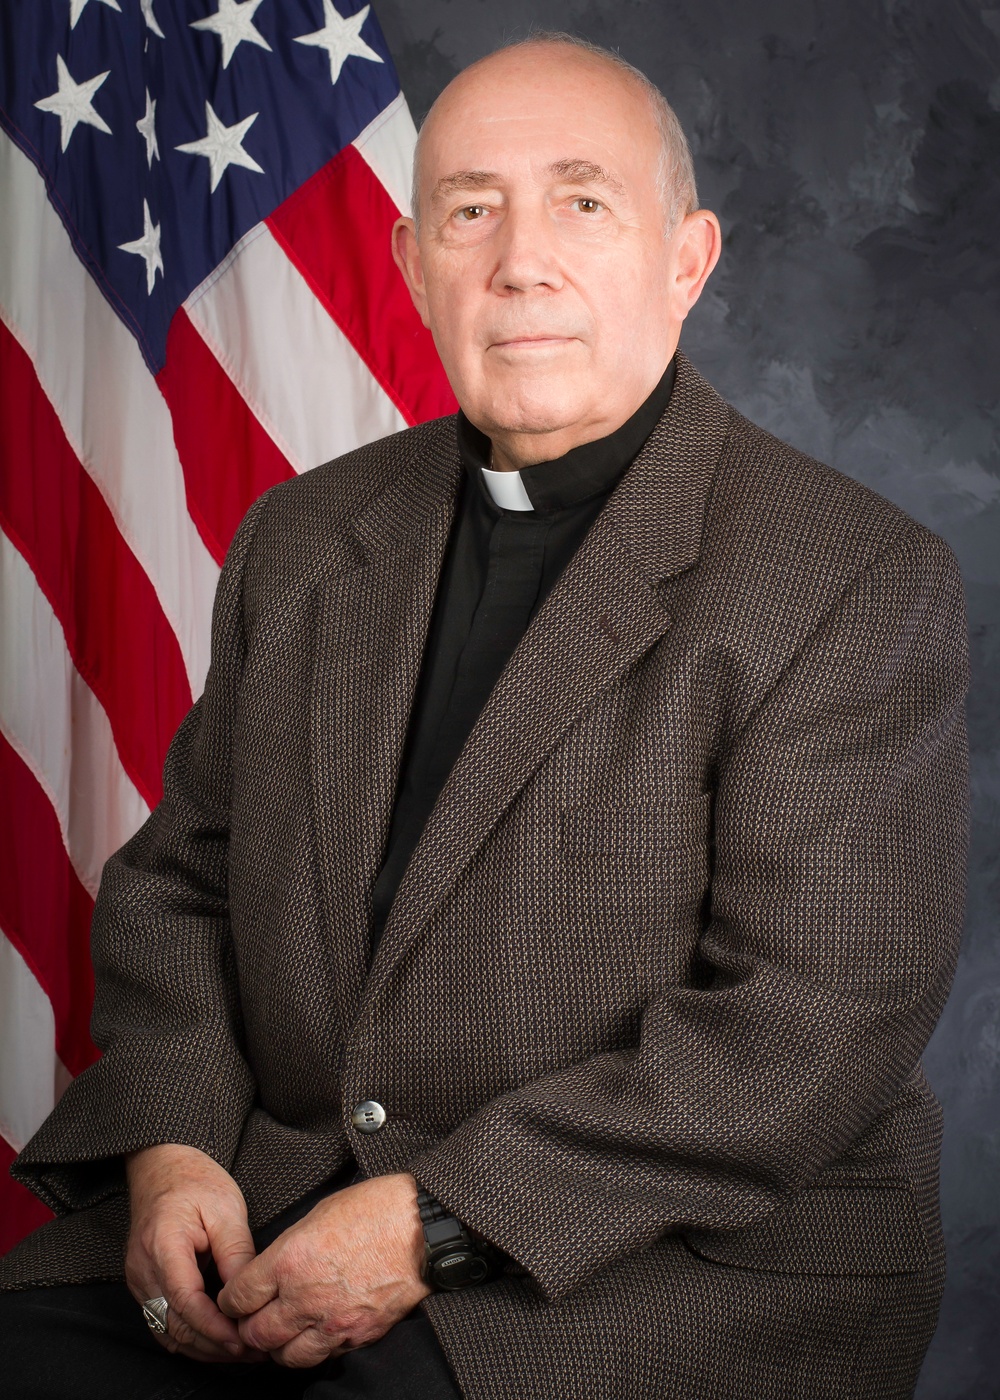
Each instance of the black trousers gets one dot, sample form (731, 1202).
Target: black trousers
(89, 1342)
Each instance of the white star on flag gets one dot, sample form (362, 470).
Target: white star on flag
(223, 145)
(233, 23)
(146, 127)
(148, 247)
(74, 102)
(341, 38)
(77, 7)
(147, 13)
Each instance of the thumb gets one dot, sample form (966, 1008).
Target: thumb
(250, 1289)
(231, 1244)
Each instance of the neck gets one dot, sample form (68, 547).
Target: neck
(512, 450)
(526, 450)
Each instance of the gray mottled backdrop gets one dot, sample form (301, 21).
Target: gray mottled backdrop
(851, 149)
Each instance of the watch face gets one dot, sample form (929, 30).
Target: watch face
(459, 1268)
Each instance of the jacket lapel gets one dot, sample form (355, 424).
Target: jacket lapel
(373, 606)
(605, 611)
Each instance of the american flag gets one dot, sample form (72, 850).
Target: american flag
(197, 300)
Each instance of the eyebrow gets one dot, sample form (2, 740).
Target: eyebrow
(466, 180)
(585, 172)
(568, 171)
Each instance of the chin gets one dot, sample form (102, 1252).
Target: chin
(538, 407)
(530, 424)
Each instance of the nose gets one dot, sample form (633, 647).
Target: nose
(527, 252)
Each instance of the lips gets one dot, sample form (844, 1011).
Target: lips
(509, 341)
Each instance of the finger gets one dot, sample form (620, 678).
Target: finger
(144, 1285)
(183, 1332)
(190, 1307)
(272, 1326)
(181, 1337)
(309, 1348)
(231, 1243)
(251, 1288)
(202, 1324)
(201, 1351)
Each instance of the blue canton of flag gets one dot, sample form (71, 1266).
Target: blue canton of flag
(158, 155)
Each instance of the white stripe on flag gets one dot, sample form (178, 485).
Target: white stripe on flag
(387, 145)
(289, 360)
(58, 726)
(110, 408)
(32, 1076)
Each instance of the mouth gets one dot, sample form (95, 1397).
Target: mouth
(532, 342)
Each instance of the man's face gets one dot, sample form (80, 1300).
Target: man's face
(543, 267)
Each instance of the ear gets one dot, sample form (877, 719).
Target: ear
(406, 253)
(697, 243)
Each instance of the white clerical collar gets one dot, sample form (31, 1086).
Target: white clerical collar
(506, 489)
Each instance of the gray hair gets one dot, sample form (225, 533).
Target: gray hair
(675, 182)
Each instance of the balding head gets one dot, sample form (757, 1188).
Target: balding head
(557, 253)
(675, 178)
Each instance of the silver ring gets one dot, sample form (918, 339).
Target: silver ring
(154, 1310)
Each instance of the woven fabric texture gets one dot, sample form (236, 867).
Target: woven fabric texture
(649, 1005)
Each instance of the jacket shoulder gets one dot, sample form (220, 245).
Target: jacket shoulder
(299, 526)
(343, 486)
(798, 522)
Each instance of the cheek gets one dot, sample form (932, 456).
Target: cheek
(453, 348)
(452, 335)
(448, 324)
(452, 304)
(629, 308)
(622, 288)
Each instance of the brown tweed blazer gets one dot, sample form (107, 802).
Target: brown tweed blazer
(649, 1005)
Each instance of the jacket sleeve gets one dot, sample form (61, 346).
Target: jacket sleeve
(837, 897)
(165, 1016)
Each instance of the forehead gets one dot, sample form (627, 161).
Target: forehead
(537, 108)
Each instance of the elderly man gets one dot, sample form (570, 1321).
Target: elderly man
(521, 987)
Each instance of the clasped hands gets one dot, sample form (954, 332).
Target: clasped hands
(337, 1279)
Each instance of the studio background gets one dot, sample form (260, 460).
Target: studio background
(851, 150)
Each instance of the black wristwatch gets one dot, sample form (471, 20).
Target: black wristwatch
(453, 1259)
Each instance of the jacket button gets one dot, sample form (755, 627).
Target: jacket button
(368, 1117)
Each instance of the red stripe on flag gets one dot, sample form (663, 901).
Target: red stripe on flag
(44, 909)
(227, 457)
(116, 632)
(20, 1211)
(336, 230)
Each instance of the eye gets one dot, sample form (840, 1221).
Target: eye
(471, 212)
(586, 205)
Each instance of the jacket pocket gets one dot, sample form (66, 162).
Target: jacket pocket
(826, 1230)
(598, 829)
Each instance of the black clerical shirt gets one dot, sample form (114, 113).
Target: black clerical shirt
(498, 568)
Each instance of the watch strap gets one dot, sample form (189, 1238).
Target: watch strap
(453, 1258)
